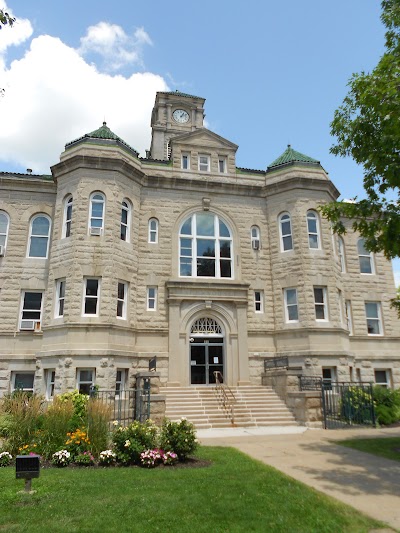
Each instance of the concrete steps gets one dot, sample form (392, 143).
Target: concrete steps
(255, 406)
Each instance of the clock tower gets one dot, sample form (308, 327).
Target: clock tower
(174, 113)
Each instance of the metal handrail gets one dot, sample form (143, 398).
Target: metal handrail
(227, 397)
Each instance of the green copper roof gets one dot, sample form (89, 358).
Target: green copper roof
(178, 93)
(291, 156)
(105, 133)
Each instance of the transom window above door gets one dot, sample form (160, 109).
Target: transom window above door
(205, 247)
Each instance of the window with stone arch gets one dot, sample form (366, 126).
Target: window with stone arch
(205, 247)
(206, 326)
(96, 218)
(39, 236)
(126, 211)
(285, 230)
(314, 232)
(255, 237)
(342, 255)
(4, 225)
(153, 231)
(67, 216)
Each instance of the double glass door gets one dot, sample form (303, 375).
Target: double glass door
(206, 357)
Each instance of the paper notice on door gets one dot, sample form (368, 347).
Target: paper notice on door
(216, 360)
(193, 363)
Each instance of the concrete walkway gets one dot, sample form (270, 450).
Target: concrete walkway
(368, 483)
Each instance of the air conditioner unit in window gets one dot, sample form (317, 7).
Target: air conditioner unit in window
(27, 325)
(256, 244)
(2, 250)
(95, 231)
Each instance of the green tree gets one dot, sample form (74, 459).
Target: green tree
(367, 128)
(5, 19)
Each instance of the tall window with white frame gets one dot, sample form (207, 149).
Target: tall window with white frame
(91, 297)
(31, 311)
(4, 225)
(50, 380)
(374, 318)
(121, 381)
(320, 303)
(39, 236)
(204, 163)
(285, 229)
(60, 298)
(222, 164)
(125, 220)
(122, 299)
(258, 301)
(291, 306)
(349, 317)
(85, 378)
(151, 298)
(185, 161)
(67, 220)
(205, 247)
(341, 253)
(255, 238)
(314, 238)
(153, 231)
(96, 218)
(366, 258)
(340, 306)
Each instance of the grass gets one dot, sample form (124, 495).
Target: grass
(384, 447)
(234, 494)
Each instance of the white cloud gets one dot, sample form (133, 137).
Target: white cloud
(116, 48)
(15, 35)
(52, 96)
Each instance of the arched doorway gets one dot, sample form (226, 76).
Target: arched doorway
(206, 351)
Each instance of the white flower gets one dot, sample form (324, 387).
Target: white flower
(115, 423)
(127, 443)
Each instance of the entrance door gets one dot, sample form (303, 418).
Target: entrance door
(206, 357)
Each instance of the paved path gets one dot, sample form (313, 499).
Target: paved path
(370, 484)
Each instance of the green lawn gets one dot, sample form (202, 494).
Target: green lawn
(385, 447)
(234, 494)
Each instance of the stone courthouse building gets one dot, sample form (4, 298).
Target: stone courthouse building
(114, 258)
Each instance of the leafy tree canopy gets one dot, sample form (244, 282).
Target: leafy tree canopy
(367, 128)
(5, 19)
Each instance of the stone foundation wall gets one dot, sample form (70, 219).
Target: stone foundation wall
(306, 407)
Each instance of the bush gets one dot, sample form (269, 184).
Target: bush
(79, 401)
(5, 458)
(129, 442)
(178, 437)
(55, 425)
(77, 442)
(98, 419)
(84, 459)
(61, 458)
(5, 425)
(387, 405)
(107, 458)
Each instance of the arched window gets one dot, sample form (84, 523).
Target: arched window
(314, 240)
(285, 228)
(125, 220)
(365, 258)
(205, 246)
(96, 220)
(255, 238)
(153, 230)
(67, 221)
(4, 225)
(341, 253)
(39, 236)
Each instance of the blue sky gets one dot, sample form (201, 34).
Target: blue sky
(272, 73)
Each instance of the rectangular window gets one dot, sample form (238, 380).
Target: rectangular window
(50, 377)
(291, 308)
(122, 297)
(22, 381)
(84, 380)
(151, 298)
(259, 301)
(222, 165)
(382, 378)
(320, 303)
(328, 376)
(31, 311)
(121, 381)
(60, 298)
(204, 163)
(185, 162)
(349, 318)
(373, 316)
(340, 305)
(91, 297)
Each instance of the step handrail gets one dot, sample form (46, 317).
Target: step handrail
(227, 397)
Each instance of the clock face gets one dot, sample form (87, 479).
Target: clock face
(180, 115)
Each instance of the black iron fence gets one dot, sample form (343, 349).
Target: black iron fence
(346, 404)
(125, 405)
(275, 362)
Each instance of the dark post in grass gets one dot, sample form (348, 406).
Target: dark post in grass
(27, 467)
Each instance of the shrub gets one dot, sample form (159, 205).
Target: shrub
(79, 402)
(5, 458)
(5, 425)
(98, 418)
(61, 458)
(107, 458)
(25, 417)
(178, 437)
(77, 442)
(84, 459)
(55, 425)
(129, 442)
(170, 458)
(356, 405)
(387, 405)
(151, 458)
